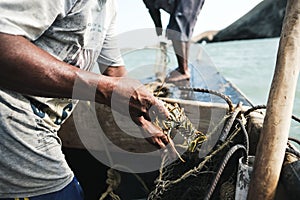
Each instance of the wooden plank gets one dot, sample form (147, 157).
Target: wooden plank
(275, 132)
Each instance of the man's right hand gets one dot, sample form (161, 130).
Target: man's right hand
(129, 96)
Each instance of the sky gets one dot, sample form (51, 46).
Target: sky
(215, 15)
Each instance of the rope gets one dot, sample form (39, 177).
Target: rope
(290, 150)
(246, 138)
(160, 71)
(226, 98)
(209, 134)
(114, 177)
(295, 140)
(229, 123)
(228, 156)
(113, 181)
(254, 108)
(221, 169)
(297, 119)
(163, 185)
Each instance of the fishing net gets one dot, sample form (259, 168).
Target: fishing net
(212, 176)
(195, 176)
(209, 177)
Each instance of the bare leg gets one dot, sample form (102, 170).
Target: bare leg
(182, 72)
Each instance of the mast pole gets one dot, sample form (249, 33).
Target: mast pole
(274, 136)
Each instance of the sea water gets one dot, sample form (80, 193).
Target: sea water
(250, 65)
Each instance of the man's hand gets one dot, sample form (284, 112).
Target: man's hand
(131, 98)
(149, 107)
(139, 109)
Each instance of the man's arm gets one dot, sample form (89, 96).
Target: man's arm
(113, 71)
(110, 61)
(27, 69)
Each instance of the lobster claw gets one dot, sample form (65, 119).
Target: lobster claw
(180, 122)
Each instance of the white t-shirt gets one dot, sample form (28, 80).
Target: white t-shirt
(79, 32)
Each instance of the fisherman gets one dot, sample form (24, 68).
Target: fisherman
(47, 46)
(183, 17)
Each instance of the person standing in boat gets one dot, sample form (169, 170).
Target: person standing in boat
(183, 17)
(46, 47)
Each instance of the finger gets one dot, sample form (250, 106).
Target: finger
(135, 118)
(149, 115)
(151, 128)
(160, 143)
(159, 110)
(157, 136)
(172, 151)
(160, 139)
(138, 109)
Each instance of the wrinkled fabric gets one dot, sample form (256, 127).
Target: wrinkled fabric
(183, 16)
(79, 32)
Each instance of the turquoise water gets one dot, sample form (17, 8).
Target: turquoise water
(250, 64)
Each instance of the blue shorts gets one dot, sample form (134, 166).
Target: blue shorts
(72, 191)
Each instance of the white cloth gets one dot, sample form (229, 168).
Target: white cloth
(79, 32)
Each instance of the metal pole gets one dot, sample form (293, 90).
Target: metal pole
(273, 140)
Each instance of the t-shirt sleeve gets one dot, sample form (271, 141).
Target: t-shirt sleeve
(110, 54)
(30, 18)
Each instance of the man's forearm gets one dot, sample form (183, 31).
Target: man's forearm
(27, 69)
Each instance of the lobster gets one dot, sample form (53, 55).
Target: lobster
(179, 121)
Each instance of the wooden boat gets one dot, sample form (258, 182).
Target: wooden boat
(273, 146)
(82, 144)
